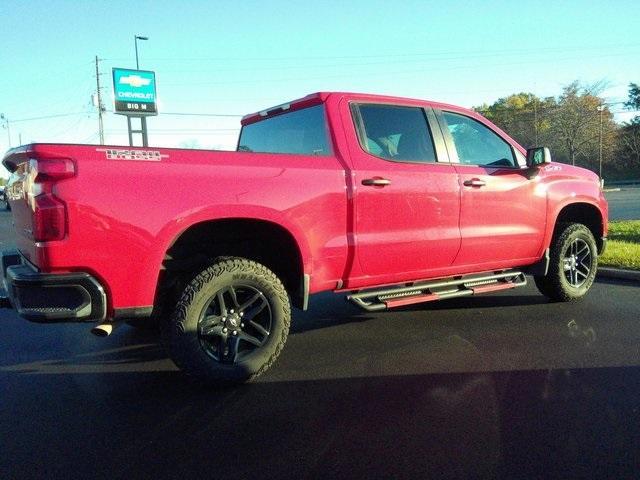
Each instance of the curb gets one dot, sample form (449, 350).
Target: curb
(607, 190)
(619, 273)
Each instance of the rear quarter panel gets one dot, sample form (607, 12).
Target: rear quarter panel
(125, 214)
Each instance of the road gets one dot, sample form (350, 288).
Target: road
(624, 204)
(504, 385)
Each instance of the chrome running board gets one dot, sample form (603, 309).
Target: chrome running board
(428, 291)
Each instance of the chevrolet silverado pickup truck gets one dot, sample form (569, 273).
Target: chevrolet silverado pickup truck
(391, 201)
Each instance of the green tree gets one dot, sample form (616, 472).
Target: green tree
(634, 99)
(524, 116)
(628, 154)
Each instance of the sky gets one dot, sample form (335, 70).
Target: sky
(236, 57)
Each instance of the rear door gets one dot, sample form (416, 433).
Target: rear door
(406, 192)
(503, 210)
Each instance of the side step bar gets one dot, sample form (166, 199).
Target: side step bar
(420, 292)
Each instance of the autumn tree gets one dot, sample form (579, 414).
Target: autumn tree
(576, 124)
(523, 116)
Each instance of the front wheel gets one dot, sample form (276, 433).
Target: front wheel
(573, 264)
(230, 324)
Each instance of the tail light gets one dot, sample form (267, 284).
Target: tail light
(49, 217)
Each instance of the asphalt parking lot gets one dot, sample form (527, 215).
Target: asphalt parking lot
(504, 385)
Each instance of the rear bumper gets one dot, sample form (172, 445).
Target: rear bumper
(50, 297)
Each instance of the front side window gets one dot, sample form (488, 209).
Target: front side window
(477, 144)
(395, 133)
(302, 132)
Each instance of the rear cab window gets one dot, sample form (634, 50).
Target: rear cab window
(300, 132)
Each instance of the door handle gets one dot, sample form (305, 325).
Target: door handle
(376, 182)
(474, 182)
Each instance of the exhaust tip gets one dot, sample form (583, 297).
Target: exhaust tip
(103, 330)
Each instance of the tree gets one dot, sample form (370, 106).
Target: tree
(634, 98)
(629, 145)
(524, 116)
(580, 122)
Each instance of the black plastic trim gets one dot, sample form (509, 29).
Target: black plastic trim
(132, 312)
(541, 267)
(23, 282)
(603, 246)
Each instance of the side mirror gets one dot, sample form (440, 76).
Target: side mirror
(538, 156)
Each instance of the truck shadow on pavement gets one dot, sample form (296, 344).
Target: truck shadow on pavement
(520, 424)
(483, 389)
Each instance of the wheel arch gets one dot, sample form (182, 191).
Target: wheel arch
(259, 239)
(585, 213)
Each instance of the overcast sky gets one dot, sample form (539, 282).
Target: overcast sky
(242, 56)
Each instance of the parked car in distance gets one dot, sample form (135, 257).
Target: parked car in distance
(3, 197)
(394, 201)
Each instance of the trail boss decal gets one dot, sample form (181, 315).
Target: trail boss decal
(143, 155)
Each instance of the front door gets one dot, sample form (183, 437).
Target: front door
(503, 209)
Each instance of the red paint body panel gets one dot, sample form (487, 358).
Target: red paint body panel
(123, 215)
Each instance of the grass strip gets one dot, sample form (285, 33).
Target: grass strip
(623, 248)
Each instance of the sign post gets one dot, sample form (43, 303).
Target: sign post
(135, 96)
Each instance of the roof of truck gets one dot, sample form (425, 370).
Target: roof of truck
(321, 97)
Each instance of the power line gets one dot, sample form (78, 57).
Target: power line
(395, 55)
(234, 115)
(390, 72)
(203, 114)
(192, 129)
(196, 114)
(56, 115)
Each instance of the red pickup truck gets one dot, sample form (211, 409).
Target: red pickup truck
(392, 200)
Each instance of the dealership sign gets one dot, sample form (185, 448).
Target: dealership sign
(134, 92)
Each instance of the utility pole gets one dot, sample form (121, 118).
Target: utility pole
(535, 119)
(600, 109)
(100, 107)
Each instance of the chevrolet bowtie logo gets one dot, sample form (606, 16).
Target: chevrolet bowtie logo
(135, 81)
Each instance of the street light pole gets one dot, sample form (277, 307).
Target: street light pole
(600, 109)
(135, 40)
(143, 119)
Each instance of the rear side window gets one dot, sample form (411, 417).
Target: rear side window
(477, 144)
(302, 132)
(395, 133)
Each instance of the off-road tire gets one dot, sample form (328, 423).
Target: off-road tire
(180, 332)
(554, 284)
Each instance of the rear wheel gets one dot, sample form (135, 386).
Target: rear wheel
(573, 264)
(230, 324)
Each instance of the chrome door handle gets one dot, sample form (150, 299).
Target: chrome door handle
(474, 182)
(376, 182)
